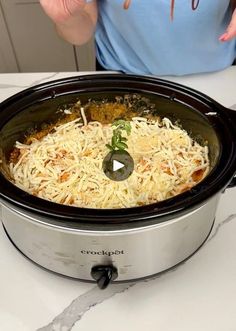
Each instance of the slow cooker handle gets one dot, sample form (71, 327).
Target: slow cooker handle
(232, 116)
(232, 183)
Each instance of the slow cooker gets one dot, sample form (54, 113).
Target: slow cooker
(106, 245)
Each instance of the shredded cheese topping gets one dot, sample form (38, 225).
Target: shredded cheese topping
(66, 166)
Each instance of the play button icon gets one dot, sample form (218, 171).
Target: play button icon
(118, 165)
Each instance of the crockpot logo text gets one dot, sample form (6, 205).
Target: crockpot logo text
(104, 253)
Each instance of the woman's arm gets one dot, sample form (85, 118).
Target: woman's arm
(230, 33)
(75, 20)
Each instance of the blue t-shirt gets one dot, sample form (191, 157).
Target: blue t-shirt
(144, 40)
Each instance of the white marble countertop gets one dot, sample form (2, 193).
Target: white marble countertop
(199, 295)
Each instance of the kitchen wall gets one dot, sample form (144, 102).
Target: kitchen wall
(29, 42)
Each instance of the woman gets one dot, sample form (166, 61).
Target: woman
(160, 37)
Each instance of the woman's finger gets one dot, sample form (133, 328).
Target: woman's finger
(126, 4)
(230, 33)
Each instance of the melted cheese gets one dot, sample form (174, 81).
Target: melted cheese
(66, 166)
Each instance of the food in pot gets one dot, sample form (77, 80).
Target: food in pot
(63, 164)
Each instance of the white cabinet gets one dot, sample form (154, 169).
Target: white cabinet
(31, 44)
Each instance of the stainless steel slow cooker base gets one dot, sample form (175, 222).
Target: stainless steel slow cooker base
(116, 281)
(135, 252)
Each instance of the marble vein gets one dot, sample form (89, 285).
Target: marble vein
(8, 86)
(36, 82)
(218, 226)
(41, 80)
(75, 311)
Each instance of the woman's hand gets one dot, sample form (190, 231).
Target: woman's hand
(75, 20)
(230, 33)
(61, 10)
